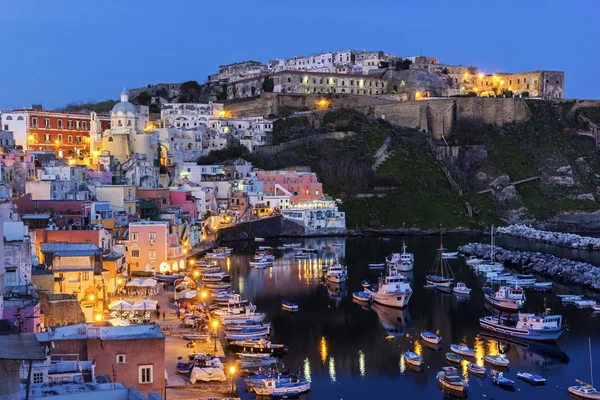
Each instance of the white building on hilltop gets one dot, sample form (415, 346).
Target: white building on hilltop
(317, 215)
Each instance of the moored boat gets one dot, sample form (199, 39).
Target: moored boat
(258, 346)
(361, 296)
(496, 360)
(462, 289)
(531, 378)
(455, 358)
(431, 337)
(476, 369)
(440, 276)
(450, 378)
(544, 328)
(278, 389)
(462, 350)
(502, 381)
(376, 265)
(337, 273)
(586, 390)
(401, 261)
(246, 334)
(288, 305)
(365, 284)
(413, 358)
(392, 291)
(507, 298)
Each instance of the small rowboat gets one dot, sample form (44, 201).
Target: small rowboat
(462, 350)
(377, 266)
(542, 284)
(431, 337)
(501, 381)
(476, 369)
(413, 359)
(361, 296)
(288, 305)
(365, 284)
(531, 378)
(497, 360)
(454, 358)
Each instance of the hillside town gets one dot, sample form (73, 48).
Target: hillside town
(115, 281)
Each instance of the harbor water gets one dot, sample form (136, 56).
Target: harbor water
(350, 351)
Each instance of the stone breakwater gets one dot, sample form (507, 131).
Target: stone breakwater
(570, 240)
(559, 269)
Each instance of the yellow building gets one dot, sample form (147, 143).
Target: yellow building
(121, 197)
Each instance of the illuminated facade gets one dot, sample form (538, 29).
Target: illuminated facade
(319, 82)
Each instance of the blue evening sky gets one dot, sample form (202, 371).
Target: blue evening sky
(55, 52)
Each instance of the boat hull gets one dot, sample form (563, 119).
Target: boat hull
(432, 340)
(576, 390)
(503, 304)
(283, 391)
(336, 278)
(396, 300)
(538, 335)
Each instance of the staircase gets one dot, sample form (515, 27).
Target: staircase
(456, 187)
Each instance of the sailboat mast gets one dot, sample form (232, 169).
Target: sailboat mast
(493, 246)
(441, 250)
(591, 372)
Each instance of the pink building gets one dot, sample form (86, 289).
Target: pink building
(25, 311)
(9, 159)
(151, 248)
(301, 186)
(104, 177)
(183, 199)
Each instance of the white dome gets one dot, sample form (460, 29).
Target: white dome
(124, 107)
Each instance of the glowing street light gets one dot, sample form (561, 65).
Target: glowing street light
(98, 317)
(92, 297)
(191, 262)
(232, 370)
(204, 295)
(215, 325)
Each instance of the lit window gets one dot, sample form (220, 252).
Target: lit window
(145, 373)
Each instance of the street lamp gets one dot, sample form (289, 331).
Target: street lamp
(203, 295)
(215, 325)
(232, 373)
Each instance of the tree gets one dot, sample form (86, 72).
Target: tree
(402, 65)
(143, 99)
(190, 92)
(268, 85)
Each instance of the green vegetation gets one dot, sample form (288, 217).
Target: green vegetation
(268, 85)
(100, 107)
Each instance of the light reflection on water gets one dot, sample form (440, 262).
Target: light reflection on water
(361, 363)
(492, 346)
(306, 370)
(402, 365)
(323, 349)
(418, 348)
(479, 351)
(332, 369)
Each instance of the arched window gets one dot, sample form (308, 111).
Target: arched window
(9, 118)
(110, 139)
(19, 118)
(129, 123)
(119, 124)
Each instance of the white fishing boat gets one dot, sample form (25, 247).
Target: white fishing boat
(462, 350)
(507, 298)
(261, 263)
(462, 289)
(496, 360)
(249, 314)
(431, 337)
(282, 389)
(336, 273)
(401, 261)
(453, 254)
(413, 359)
(450, 378)
(571, 299)
(534, 379)
(586, 390)
(391, 291)
(377, 265)
(543, 328)
(476, 369)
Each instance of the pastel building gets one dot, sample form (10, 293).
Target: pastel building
(151, 248)
(299, 186)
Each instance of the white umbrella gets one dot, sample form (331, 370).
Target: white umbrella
(134, 283)
(120, 305)
(148, 282)
(145, 305)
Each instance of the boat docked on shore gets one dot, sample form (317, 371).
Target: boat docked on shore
(413, 359)
(258, 346)
(249, 314)
(246, 334)
(336, 273)
(543, 328)
(462, 350)
(281, 388)
(450, 378)
(507, 298)
(391, 291)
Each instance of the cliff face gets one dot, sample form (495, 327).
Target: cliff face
(262, 228)
(552, 152)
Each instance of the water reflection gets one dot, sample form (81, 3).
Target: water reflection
(361, 363)
(402, 365)
(418, 348)
(393, 320)
(332, 369)
(479, 351)
(337, 291)
(323, 349)
(306, 370)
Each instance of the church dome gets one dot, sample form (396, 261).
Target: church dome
(124, 108)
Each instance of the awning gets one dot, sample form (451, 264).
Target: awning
(121, 305)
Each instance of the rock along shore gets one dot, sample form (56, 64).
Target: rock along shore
(569, 240)
(559, 269)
